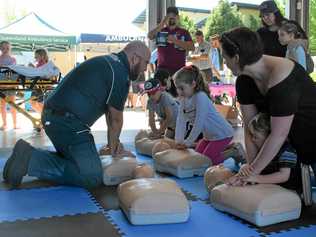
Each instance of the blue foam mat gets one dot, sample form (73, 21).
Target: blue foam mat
(2, 163)
(44, 202)
(204, 221)
(303, 232)
(194, 185)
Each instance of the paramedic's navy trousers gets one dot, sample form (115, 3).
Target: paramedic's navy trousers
(76, 161)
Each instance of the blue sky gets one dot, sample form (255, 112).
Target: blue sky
(94, 16)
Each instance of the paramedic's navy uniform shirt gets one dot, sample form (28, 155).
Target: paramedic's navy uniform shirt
(88, 89)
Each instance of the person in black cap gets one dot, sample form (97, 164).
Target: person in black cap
(178, 41)
(272, 19)
(163, 105)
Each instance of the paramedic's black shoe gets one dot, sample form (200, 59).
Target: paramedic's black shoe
(17, 165)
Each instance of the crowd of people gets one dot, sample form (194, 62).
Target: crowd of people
(275, 92)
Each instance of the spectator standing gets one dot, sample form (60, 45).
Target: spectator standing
(172, 52)
(272, 19)
(6, 59)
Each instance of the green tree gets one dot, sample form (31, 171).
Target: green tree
(11, 14)
(223, 17)
(281, 5)
(251, 22)
(312, 26)
(187, 23)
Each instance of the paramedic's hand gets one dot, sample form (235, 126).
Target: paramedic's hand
(121, 152)
(181, 146)
(114, 151)
(125, 153)
(105, 150)
(246, 170)
(171, 39)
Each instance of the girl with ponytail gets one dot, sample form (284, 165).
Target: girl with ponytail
(293, 36)
(197, 115)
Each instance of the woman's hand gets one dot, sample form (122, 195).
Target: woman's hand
(236, 180)
(246, 170)
(253, 179)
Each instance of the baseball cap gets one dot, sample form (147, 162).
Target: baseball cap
(268, 7)
(152, 85)
(173, 10)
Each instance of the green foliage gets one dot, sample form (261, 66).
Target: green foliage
(10, 17)
(313, 75)
(312, 26)
(220, 99)
(187, 23)
(251, 22)
(281, 5)
(10, 14)
(223, 17)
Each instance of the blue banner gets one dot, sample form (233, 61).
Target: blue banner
(99, 38)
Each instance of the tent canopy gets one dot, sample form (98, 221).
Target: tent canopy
(32, 32)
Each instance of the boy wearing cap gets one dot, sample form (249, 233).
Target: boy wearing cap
(162, 104)
(272, 19)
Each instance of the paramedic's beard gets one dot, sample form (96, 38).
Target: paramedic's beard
(134, 72)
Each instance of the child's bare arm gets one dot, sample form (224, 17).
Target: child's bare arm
(152, 123)
(166, 121)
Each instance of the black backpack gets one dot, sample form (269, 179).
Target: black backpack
(309, 63)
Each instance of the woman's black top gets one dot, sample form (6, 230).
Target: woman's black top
(296, 94)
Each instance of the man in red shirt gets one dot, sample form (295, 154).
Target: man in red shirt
(172, 53)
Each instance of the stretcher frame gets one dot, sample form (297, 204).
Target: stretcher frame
(23, 83)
